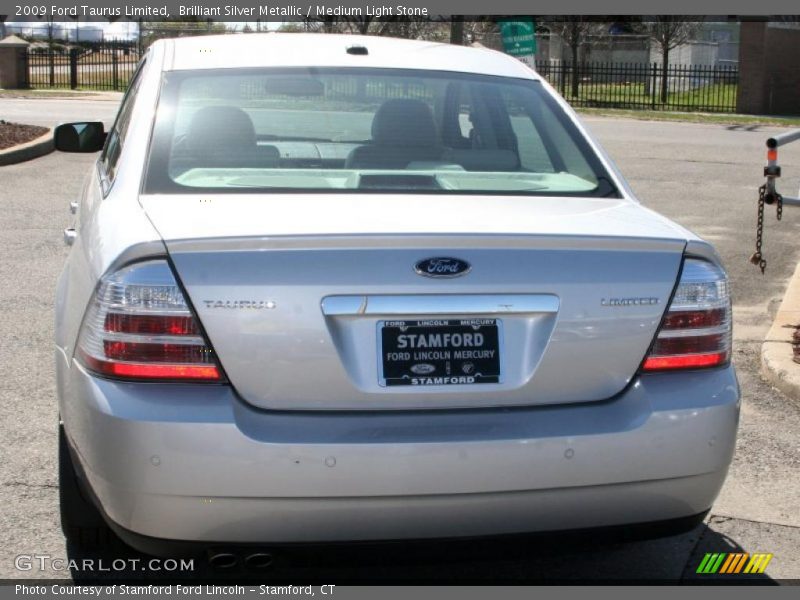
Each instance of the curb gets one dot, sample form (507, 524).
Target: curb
(777, 364)
(35, 148)
(43, 94)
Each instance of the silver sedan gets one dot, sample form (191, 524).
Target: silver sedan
(331, 288)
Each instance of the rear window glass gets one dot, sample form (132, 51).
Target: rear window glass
(370, 130)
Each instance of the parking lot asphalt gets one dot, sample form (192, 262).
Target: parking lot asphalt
(703, 176)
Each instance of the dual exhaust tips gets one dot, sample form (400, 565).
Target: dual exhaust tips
(256, 561)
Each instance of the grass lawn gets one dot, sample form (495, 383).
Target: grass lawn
(48, 93)
(711, 98)
(93, 58)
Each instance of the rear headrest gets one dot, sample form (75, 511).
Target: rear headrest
(404, 122)
(222, 128)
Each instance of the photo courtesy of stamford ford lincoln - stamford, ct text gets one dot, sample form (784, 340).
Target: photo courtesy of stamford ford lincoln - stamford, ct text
(421, 299)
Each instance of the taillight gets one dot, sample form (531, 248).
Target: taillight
(139, 326)
(696, 330)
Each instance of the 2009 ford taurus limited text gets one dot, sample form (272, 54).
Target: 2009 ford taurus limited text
(331, 288)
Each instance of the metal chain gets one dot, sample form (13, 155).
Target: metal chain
(757, 258)
(764, 198)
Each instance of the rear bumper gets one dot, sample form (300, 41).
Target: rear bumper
(418, 547)
(194, 463)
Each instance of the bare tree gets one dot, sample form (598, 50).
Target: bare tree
(668, 32)
(50, 58)
(150, 31)
(291, 27)
(575, 32)
(457, 30)
(416, 28)
(360, 24)
(396, 26)
(324, 24)
(328, 24)
(483, 30)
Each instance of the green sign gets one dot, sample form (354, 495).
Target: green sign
(519, 37)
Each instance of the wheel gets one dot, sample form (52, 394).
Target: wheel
(81, 521)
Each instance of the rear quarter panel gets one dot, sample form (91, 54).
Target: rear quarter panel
(111, 225)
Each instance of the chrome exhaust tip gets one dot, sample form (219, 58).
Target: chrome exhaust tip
(222, 560)
(259, 560)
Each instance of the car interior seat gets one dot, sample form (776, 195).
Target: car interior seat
(403, 132)
(224, 136)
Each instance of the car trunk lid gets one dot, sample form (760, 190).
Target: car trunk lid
(303, 296)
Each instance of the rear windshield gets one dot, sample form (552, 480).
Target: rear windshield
(365, 130)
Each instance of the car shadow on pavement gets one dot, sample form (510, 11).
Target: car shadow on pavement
(519, 559)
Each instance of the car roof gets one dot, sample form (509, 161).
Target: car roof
(330, 50)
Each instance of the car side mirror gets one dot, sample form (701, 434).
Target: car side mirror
(80, 137)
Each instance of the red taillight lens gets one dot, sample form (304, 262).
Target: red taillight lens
(692, 344)
(153, 371)
(696, 331)
(141, 327)
(690, 361)
(694, 319)
(155, 352)
(151, 325)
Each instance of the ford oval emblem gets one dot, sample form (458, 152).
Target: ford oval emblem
(442, 266)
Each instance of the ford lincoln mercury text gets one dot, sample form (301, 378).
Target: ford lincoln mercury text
(331, 288)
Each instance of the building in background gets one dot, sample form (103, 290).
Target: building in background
(714, 44)
(769, 66)
(65, 32)
(726, 36)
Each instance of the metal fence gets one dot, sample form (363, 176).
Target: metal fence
(100, 66)
(641, 86)
(110, 65)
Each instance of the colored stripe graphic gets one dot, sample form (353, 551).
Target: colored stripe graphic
(701, 568)
(758, 563)
(740, 565)
(733, 563)
(711, 562)
(727, 564)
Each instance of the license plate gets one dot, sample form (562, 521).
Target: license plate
(437, 352)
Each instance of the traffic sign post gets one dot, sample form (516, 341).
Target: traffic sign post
(519, 38)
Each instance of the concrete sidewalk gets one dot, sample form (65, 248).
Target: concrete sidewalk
(777, 356)
(48, 109)
(92, 95)
(29, 150)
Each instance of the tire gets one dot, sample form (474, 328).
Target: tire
(81, 522)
